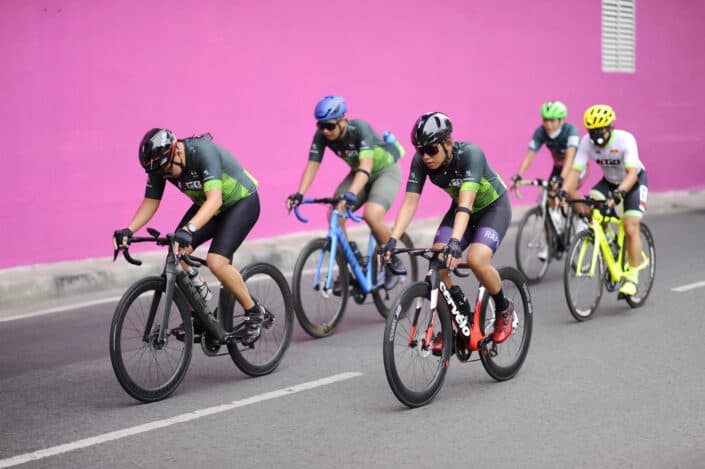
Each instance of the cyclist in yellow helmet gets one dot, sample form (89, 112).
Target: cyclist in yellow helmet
(615, 151)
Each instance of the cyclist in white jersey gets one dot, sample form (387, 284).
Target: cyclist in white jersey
(615, 151)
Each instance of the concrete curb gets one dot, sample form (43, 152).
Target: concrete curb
(26, 289)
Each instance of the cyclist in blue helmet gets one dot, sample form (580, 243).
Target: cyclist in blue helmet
(374, 178)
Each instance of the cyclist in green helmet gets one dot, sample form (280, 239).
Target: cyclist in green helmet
(561, 138)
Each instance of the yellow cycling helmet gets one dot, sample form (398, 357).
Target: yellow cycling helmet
(599, 115)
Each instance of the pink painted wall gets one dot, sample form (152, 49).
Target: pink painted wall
(82, 81)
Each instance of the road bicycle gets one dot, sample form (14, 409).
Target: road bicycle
(330, 269)
(159, 318)
(415, 370)
(596, 259)
(544, 233)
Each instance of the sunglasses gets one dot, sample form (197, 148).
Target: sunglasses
(430, 150)
(329, 126)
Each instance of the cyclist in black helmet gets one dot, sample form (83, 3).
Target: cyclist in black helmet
(479, 213)
(374, 178)
(225, 206)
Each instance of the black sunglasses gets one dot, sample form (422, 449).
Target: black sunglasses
(430, 150)
(327, 125)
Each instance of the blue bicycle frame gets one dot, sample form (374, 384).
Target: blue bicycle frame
(337, 238)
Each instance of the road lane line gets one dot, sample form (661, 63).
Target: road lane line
(158, 424)
(690, 286)
(60, 309)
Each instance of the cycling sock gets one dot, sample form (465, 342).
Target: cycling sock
(500, 302)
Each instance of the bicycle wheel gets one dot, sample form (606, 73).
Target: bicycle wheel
(318, 310)
(147, 370)
(583, 290)
(414, 372)
(512, 352)
(532, 238)
(646, 275)
(268, 286)
(381, 296)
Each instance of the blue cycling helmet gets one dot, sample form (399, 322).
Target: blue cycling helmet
(330, 107)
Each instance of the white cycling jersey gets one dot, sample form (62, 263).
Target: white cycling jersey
(619, 153)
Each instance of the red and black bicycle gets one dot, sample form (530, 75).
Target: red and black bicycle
(423, 331)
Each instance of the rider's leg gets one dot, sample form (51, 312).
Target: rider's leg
(634, 206)
(374, 217)
(233, 226)
(633, 239)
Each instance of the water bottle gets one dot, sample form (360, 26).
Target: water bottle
(612, 241)
(389, 137)
(200, 284)
(459, 297)
(358, 254)
(557, 218)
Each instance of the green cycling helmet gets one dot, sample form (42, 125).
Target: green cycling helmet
(554, 110)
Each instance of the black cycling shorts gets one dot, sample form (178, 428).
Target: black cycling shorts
(228, 229)
(487, 226)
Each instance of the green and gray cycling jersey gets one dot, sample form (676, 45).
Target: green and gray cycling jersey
(567, 137)
(208, 166)
(468, 170)
(360, 141)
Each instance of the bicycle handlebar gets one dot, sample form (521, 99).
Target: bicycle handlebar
(429, 254)
(599, 204)
(193, 261)
(327, 201)
(544, 183)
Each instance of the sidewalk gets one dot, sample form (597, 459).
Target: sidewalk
(25, 290)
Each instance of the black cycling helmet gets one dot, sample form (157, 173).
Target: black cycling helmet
(431, 128)
(157, 149)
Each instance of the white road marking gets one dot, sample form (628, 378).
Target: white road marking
(59, 309)
(690, 286)
(158, 424)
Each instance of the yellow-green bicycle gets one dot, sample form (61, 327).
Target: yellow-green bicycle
(596, 258)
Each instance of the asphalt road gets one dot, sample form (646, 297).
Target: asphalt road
(625, 389)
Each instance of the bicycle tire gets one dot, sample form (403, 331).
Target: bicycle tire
(583, 310)
(649, 272)
(381, 295)
(127, 328)
(404, 361)
(511, 353)
(319, 318)
(268, 286)
(527, 260)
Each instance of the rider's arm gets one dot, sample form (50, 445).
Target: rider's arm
(526, 162)
(405, 214)
(630, 179)
(362, 174)
(568, 164)
(573, 141)
(214, 200)
(460, 223)
(631, 164)
(579, 162)
(144, 213)
(308, 176)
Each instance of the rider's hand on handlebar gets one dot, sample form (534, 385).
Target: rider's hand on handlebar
(453, 253)
(182, 240)
(384, 251)
(293, 200)
(615, 197)
(121, 238)
(516, 178)
(561, 194)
